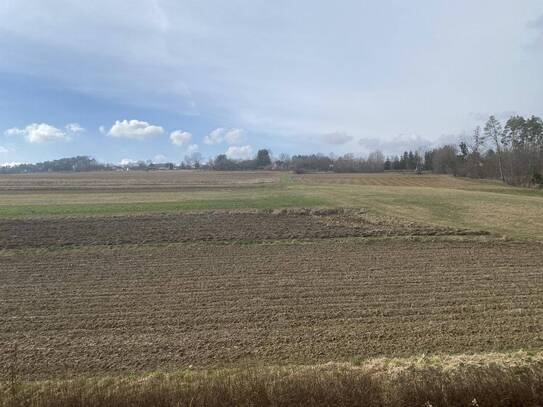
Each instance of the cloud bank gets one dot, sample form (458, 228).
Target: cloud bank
(272, 69)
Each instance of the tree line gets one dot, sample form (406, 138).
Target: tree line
(374, 162)
(263, 161)
(512, 152)
(77, 164)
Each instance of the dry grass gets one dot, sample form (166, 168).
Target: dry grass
(483, 380)
(133, 181)
(511, 214)
(395, 179)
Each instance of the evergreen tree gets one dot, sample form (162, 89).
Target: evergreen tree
(263, 159)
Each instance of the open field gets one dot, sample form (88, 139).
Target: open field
(398, 179)
(437, 200)
(126, 273)
(132, 181)
(139, 308)
(211, 226)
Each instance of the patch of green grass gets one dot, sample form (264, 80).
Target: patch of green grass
(286, 179)
(257, 202)
(512, 215)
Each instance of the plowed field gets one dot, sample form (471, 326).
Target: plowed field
(96, 309)
(208, 226)
(98, 277)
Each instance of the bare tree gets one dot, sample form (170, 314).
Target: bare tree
(493, 131)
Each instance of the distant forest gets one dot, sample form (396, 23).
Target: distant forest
(512, 152)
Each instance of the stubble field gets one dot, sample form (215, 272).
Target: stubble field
(91, 293)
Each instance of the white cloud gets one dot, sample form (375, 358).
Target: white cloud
(102, 130)
(192, 148)
(239, 153)
(232, 137)
(134, 56)
(74, 128)
(14, 132)
(4, 150)
(235, 137)
(180, 137)
(39, 133)
(134, 129)
(215, 137)
(337, 138)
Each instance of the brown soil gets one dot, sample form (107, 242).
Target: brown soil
(135, 308)
(208, 226)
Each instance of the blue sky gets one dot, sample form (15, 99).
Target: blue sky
(236, 76)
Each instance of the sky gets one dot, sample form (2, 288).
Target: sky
(161, 79)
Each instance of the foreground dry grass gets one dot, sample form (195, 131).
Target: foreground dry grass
(482, 380)
(144, 307)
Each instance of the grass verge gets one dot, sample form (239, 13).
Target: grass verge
(514, 379)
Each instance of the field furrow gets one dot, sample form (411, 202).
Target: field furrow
(98, 309)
